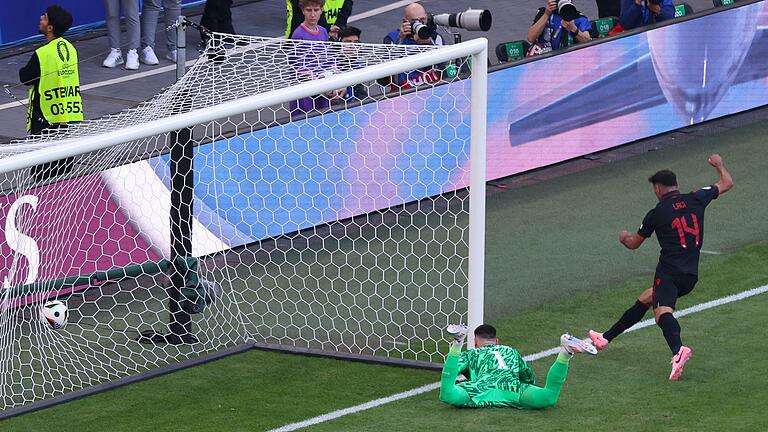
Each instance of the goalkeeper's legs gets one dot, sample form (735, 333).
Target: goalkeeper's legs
(450, 393)
(535, 397)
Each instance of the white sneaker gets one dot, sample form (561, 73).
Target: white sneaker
(458, 332)
(114, 58)
(148, 56)
(132, 60)
(171, 56)
(572, 345)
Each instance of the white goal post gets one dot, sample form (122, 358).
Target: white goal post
(120, 296)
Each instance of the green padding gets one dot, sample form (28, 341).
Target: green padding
(515, 50)
(679, 11)
(192, 291)
(132, 271)
(604, 25)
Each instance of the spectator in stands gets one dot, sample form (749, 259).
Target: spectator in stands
(404, 36)
(637, 13)
(558, 25)
(131, 11)
(217, 17)
(310, 29)
(150, 12)
(349, 60)
(313, 61)
(335, 16)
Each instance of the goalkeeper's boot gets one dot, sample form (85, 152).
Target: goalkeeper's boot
(572, 345)
(678, 361)
(598, 340)
(458, 332)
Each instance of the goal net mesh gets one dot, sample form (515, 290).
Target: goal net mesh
(337, 222)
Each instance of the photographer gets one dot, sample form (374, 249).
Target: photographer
(414, 12)
(637, 13)
(404, 35)
(558, 25)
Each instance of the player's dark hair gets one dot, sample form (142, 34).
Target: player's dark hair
(59, 19)
(664, 177)
(485, 331)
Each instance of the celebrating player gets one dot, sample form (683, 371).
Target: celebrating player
(498, 374)
(678, 220)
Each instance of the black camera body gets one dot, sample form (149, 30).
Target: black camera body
(567, 10)
(424, 31)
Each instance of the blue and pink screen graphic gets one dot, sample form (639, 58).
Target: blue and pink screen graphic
(331, 167)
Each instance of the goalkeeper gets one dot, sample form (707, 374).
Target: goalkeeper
(498, 376)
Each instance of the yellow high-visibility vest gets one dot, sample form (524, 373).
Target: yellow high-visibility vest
(59, 87)
(331, 10)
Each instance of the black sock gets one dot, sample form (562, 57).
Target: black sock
(632, 316)
(671, 329)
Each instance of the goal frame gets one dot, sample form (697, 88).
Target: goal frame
(476, 49)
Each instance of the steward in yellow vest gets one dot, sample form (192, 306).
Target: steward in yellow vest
(53, 77)
(335, 16)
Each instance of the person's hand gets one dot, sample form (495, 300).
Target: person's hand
(654, 8)
(334, 32)
(623, 235)
(569, 25)
(336, 94)
(305, 75)
(405, 30)
(551, 7)
(639, 2)
(715, 160)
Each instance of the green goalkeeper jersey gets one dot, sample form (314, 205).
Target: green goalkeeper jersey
(494, 367)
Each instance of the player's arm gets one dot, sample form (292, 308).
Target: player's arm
(725, 182)
(631, 241)
(526, 373)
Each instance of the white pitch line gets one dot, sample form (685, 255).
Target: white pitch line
(539, 355)
(357, 408)
(379, 10)
(709, 252)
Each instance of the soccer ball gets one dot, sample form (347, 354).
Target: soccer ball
(54, 314)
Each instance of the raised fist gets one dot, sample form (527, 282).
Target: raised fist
(715, 160)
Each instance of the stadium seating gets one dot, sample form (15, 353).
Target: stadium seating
(602, 26)
(683, 9)
(511, 51)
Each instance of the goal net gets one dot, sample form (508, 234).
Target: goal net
(282, 194)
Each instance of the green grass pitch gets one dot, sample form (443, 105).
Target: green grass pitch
(554, 264)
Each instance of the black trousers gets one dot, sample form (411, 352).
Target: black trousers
(217, 17)
(608, 8)
(44, 173)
